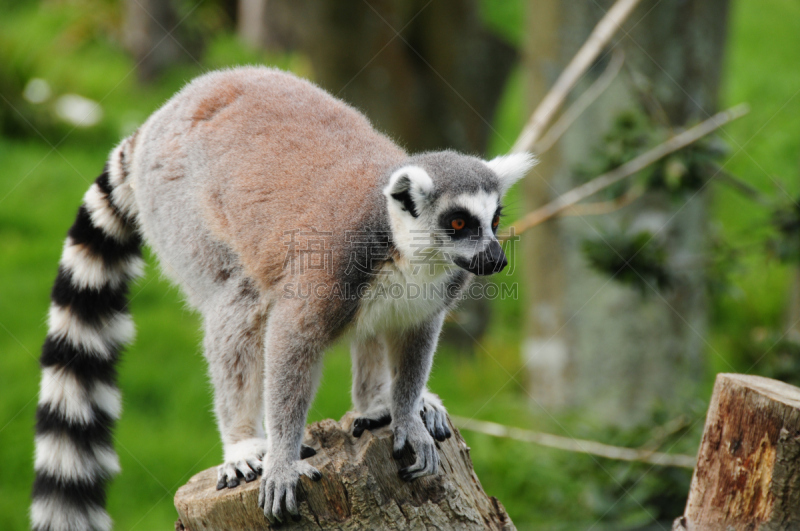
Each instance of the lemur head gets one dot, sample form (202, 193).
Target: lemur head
(446, 206)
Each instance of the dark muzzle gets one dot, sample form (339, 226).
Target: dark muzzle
(489, 261)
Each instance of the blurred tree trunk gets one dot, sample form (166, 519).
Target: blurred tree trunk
(259, 25)
(545, 348)
(594, 343)
(429, 74)
(152, 33)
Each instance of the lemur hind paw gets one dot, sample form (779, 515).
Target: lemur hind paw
(433, 414)
(435, 417)
(367, 423)
(243, 460)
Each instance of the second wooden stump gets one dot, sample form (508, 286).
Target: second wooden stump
(748, 468)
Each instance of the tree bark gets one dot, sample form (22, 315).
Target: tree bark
(748, 468)
(595, 344)
(427, 73)
(153, 35)
(360, 489)
(546, 348)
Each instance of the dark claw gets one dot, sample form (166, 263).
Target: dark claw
(233, 482)
(316, 476)
(398, 454)
(359, 426)
(364, 423)
(221, 484)
(249, 476)
(439, 435)
(447, 433)
(405, 475)
(306, 452)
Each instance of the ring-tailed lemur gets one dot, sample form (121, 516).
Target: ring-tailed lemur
(232, 183)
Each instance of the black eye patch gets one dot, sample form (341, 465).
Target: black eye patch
(448, 221)
(498, 214)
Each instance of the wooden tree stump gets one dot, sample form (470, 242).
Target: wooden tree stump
(360, 489)
(748, 468)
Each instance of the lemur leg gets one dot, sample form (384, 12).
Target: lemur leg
(371, 384)
(233, 348)
(372, 387)
(293, 352)
(410, 357)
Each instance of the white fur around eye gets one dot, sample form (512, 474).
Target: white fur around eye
(511, 168)
(482, 205)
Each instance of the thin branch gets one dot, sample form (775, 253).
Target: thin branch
(632, 167)
(554, 99)
(575, 445)
(581, 104)
(661, 433)
(605, 207)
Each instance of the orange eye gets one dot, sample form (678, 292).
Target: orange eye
(495, 222)
(457, 224)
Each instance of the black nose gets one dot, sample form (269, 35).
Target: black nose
(496, 259)
(489, 261)
(501, 264)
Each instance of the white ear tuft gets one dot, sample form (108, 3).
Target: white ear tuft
(511, 168)
(410, 186)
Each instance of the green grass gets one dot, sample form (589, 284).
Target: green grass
(167, 432)
(765, 152)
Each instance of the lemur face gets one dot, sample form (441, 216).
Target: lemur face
(470, 221)
(446, 206)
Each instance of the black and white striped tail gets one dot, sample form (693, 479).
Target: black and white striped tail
(88, 326)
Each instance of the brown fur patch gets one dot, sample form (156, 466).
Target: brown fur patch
(287, 156)
(215, 102)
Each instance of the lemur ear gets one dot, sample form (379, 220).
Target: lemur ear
(511, 168)
(411, 187)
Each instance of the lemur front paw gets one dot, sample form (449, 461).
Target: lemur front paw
(278, 486)
(434, 416)
(412, 432)
(243, 460)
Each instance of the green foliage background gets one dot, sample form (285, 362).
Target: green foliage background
(167, 432)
